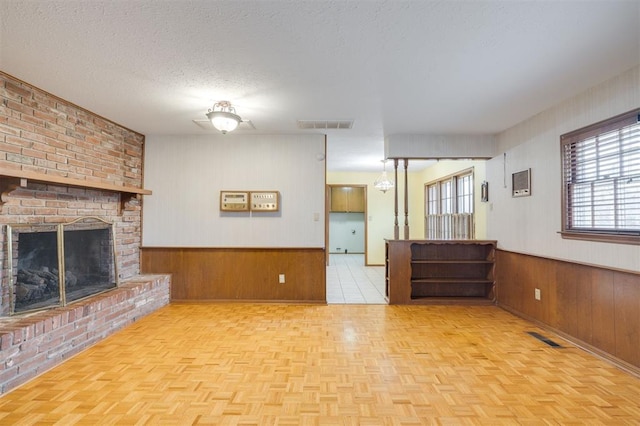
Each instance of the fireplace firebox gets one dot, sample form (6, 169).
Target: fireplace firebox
(54, 265)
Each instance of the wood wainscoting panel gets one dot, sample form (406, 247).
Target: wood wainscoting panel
(543, 272)
(603, 312)
(570, 306)
(512, 292)
(627, 317)
(595, 307)
(248, 274)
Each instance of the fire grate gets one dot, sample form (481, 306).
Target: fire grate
(544, 339)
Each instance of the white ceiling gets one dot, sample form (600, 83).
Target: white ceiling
(444, 67)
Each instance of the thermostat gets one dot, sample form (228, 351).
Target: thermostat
(234, 201)
(265, 201)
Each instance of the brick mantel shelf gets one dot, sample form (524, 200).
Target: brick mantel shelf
(11, 180)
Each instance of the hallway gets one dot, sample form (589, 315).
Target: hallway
(350, 282)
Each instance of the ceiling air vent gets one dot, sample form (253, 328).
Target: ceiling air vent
(325, 124)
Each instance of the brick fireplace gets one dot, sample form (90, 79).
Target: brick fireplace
(55, 265)
(58, 163)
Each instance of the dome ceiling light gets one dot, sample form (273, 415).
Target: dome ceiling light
(223, 117)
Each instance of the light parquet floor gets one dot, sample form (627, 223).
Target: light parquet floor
(277, 364)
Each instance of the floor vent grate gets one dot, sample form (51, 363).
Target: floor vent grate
(543, 339)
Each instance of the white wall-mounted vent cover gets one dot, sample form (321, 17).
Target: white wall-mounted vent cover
(521, 183)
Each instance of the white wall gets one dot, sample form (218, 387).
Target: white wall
(346, 232)
(432, 146)
(187, 173)
(531, 224)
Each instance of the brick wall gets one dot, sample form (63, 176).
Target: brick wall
(42, 133)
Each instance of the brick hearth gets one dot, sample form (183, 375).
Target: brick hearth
(32, 344)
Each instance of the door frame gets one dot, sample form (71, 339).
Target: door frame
(327, 205)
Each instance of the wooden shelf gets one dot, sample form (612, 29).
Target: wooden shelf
(11, 179)
(452, 301)
(420, 271)
(448, 262)
(451, 280)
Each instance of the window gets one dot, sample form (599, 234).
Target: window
(449, 208)
(432, 199)
(464, 193)
(446, 197)
(601, 181)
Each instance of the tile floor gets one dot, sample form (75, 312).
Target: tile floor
(350, 282)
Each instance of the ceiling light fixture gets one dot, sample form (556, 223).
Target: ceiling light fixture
(223, 117)
(383, 183)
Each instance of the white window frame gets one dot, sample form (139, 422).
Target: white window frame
(450, 209)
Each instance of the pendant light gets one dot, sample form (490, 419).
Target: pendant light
(383, 183)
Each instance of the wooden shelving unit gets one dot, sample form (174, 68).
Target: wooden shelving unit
(440, 271)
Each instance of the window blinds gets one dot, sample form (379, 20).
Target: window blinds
(601, 177)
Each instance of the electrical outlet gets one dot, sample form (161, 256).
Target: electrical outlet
(281, 278)
(536, 293)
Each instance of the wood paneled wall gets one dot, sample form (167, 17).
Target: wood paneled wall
(200, 274)
(594, 307)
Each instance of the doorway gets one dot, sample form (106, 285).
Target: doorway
(349, 281)
(347, 227)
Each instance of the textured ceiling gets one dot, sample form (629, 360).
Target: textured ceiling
(463, 67)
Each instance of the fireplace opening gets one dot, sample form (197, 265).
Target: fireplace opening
(88, 263)
(53, 265)
(36, 283)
